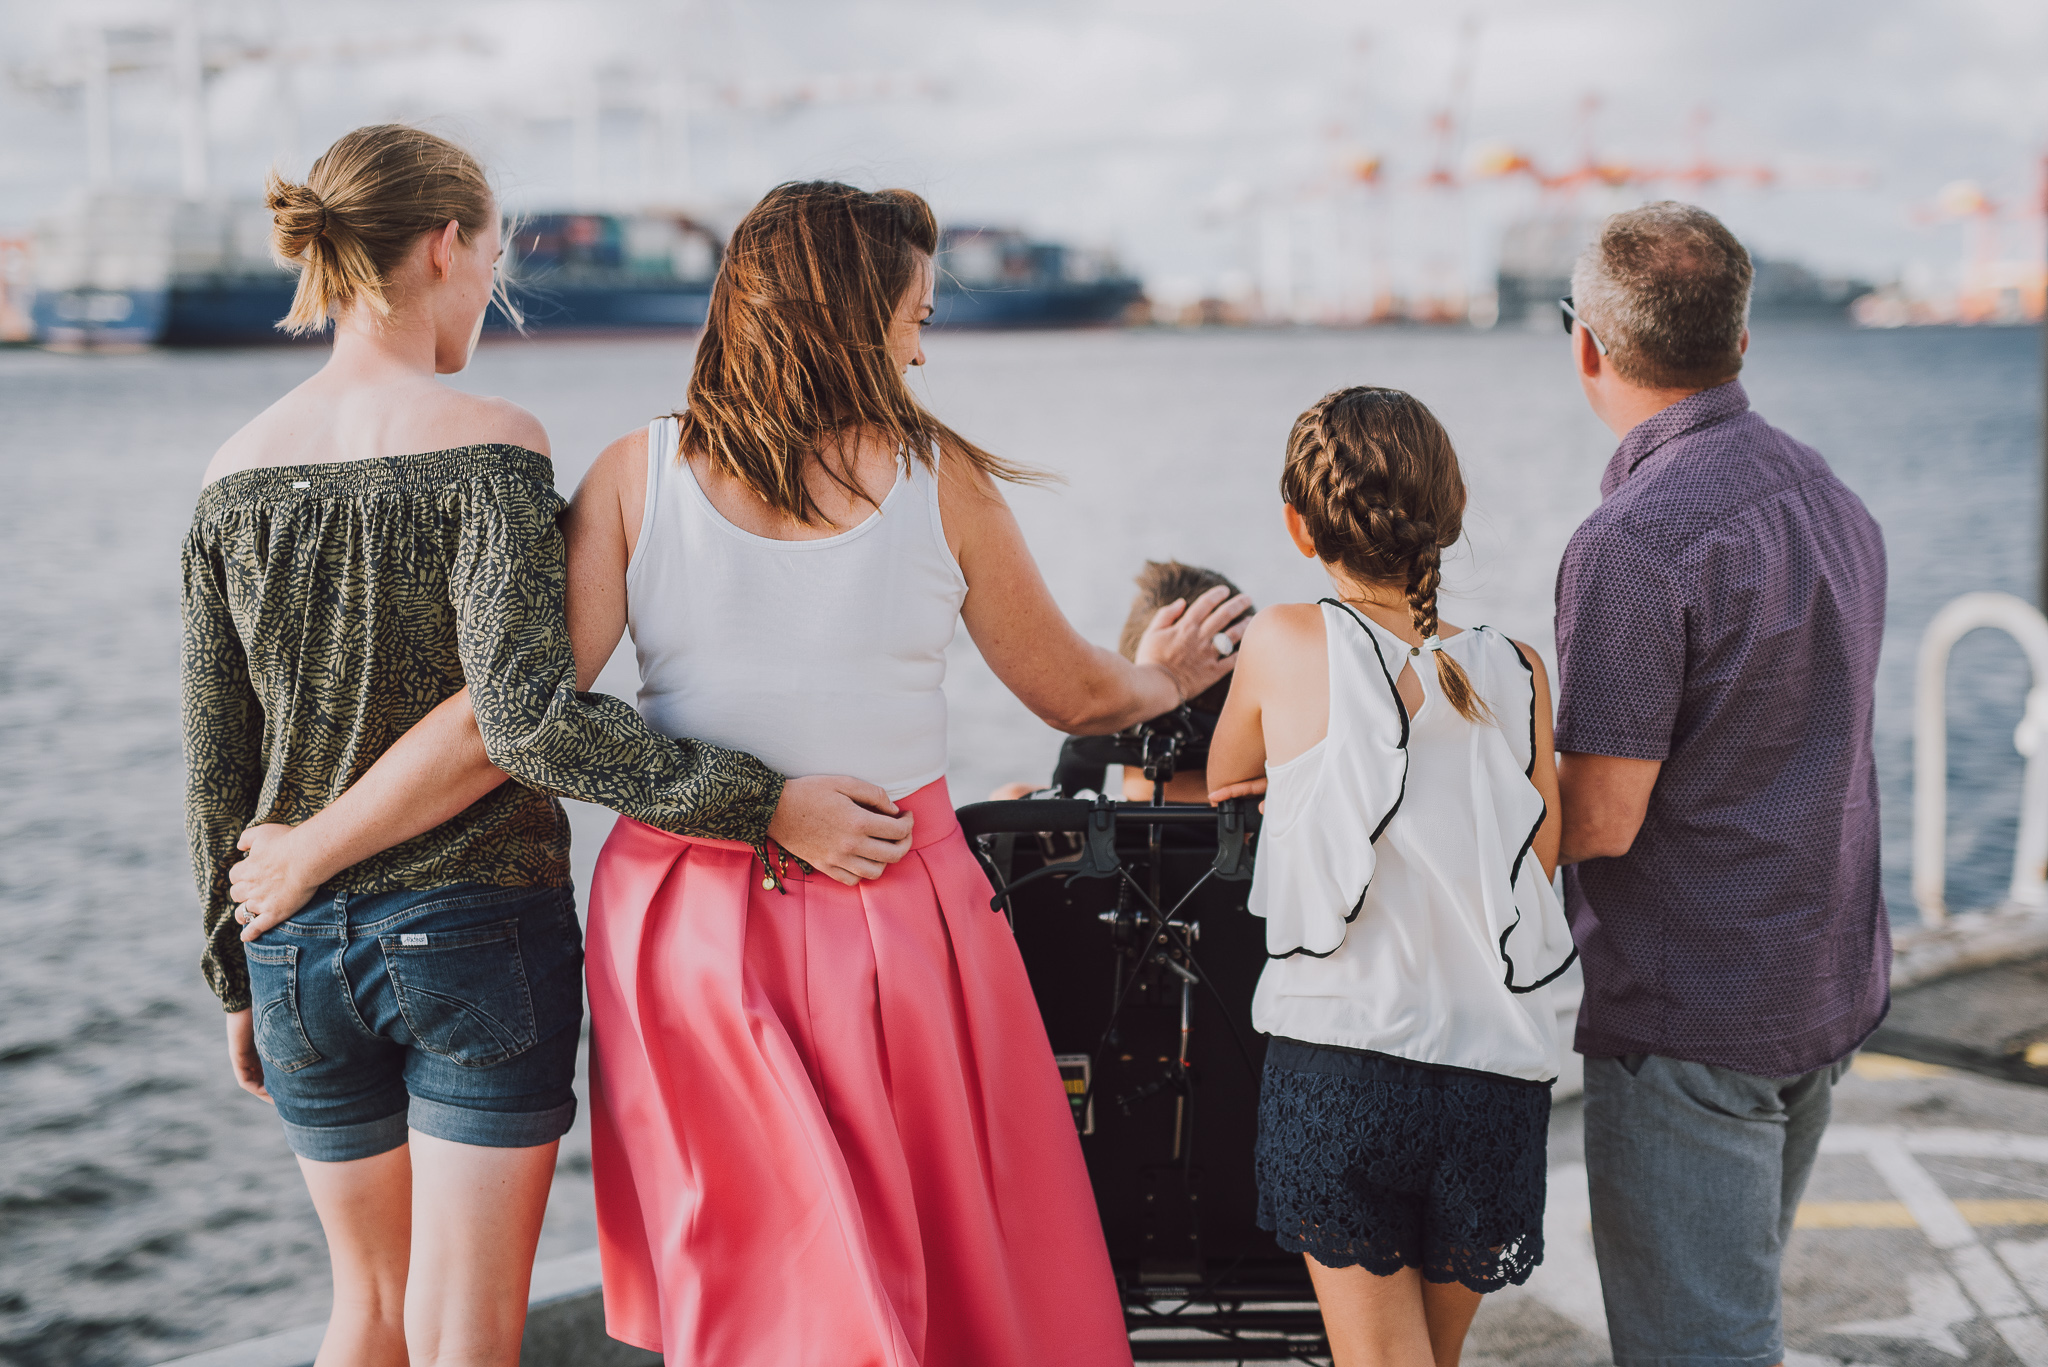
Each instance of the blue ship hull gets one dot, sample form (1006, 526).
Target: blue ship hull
(609, 308)
(242, 313)
(95, 317)
(1061, 305)
(245, 313)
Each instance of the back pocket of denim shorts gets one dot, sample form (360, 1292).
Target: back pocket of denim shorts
(274, 996)
(463, 992)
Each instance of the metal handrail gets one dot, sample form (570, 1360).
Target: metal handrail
(2025, 624)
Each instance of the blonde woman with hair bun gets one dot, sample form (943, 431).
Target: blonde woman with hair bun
(373, 549)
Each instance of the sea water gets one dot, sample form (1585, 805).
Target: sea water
(148, 1207)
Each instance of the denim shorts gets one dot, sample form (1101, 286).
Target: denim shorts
(455, 1012)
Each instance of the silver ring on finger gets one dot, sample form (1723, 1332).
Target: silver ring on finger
(1224, 645)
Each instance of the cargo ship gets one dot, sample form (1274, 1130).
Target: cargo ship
(121, 268)
(101, 270)
(1537, 253)
(1001, 278)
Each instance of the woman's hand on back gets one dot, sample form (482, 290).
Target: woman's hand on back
(1182, 639)
(270, 882)
(845, 829)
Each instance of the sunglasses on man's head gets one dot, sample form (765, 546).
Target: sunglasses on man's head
(1571, 318)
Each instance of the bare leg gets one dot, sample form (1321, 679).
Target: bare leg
(476, 1220)
(1449, 1309)
(1374, 1321)
(365, 1206)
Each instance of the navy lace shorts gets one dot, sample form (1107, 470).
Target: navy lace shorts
(1369, 1161)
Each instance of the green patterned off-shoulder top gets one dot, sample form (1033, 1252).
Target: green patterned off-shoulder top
(329, 607)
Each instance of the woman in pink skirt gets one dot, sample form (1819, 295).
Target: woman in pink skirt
(827, 1123)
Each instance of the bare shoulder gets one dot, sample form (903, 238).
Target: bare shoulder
(497, 422)
(963, 482)
(242, 451)
(275, 436)
(621, 465)
(1287, 622)
(423, 415)
(972, 508)
(1533, 660)
(1284, 633)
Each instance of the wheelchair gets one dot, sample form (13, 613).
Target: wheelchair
(1132, 924)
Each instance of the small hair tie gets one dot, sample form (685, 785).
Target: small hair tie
(321, 231)
(1429, 643)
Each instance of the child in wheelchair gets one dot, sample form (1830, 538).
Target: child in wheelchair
(1083, 759)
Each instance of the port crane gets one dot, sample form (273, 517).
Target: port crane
(98, 53)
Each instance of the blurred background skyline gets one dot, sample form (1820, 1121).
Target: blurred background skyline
(1295, 160)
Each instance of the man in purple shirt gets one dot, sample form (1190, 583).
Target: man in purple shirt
(1718, 623)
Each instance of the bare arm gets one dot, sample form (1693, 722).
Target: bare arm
(1237, 752)
(1067, 682)
(1543, 773)
(1605, 800)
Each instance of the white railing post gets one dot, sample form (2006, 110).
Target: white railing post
(2025, 624)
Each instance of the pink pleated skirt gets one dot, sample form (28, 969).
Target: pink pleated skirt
(826, 1124)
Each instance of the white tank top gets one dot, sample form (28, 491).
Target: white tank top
(819, 657)
(1405, 912)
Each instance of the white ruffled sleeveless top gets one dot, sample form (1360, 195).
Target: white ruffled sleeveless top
(820, 657)
(1405, 913)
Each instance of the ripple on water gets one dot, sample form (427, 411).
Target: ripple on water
(149, 1208)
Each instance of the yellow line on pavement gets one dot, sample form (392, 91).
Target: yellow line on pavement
(1892, 1068)
(1893, 1215)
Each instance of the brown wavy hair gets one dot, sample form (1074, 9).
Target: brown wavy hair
(794, 360)
(1374, 477)
(362, 206)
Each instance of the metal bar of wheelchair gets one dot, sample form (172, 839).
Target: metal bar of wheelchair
(1234, 822)
(1071, 814)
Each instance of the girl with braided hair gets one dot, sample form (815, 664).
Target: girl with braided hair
(1410, 934)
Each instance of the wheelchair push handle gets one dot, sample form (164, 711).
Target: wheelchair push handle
(1029, 815)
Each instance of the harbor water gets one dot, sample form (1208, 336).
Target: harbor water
(149, 1208)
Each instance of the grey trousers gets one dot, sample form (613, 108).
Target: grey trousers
(1695, 1175)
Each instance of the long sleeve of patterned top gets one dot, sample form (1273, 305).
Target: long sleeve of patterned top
(508, 583)
(224, 747)
(328, 608)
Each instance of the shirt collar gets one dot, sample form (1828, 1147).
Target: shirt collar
(1689, 414)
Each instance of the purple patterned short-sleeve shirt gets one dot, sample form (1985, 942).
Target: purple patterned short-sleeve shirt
(1721, 612)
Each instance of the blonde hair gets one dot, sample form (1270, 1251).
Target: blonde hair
(362, 206)
(1376, 481)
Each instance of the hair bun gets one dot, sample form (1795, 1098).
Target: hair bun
(298, 215)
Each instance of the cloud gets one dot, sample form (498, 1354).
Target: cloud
(1118, 120)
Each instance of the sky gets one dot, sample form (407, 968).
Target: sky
(1163, 131)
